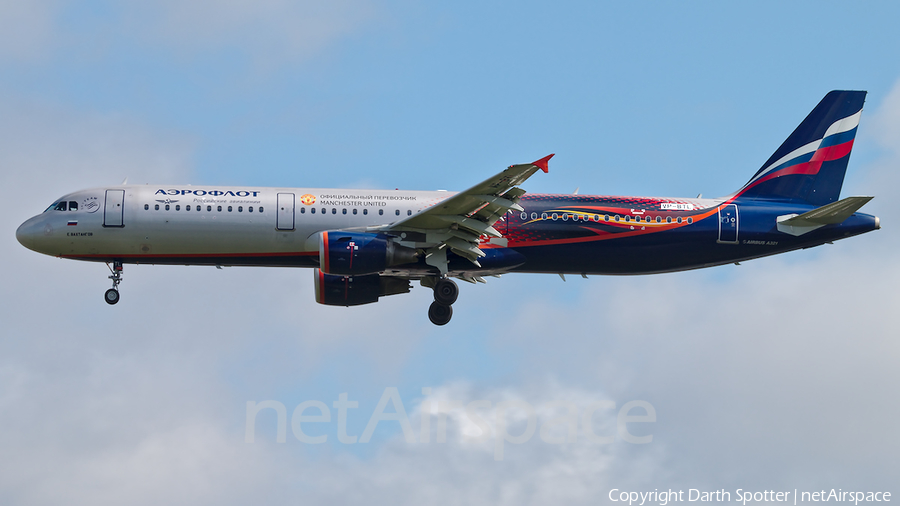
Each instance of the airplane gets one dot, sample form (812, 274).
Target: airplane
(366, 244)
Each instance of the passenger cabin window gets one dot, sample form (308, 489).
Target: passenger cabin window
(208, 208)
(260, 208)
(354, 210)
(178, 207)
(380, 212)
(167, 207)
(690, 220)
(156, 207)
(333, 210)
(397, 212)
(249, 209)
(312, 210)
(365, 211)
(146, 207)
(302, 210)
(229, 209)
(409, 212)
(344, 211)
(219, 209)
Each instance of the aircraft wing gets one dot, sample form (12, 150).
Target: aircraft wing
(458, 222)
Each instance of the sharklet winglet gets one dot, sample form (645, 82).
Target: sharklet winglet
(543, 163)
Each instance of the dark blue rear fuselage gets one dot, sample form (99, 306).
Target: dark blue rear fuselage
(586, 237)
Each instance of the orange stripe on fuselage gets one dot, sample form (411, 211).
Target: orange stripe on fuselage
(325, 255)
(609, 235)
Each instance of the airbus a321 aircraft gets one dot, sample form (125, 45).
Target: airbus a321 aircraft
(366, 244)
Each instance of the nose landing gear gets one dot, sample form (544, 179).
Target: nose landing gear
(112, 295)
(445, 294)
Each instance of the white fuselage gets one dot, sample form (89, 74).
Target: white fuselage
(211, 225)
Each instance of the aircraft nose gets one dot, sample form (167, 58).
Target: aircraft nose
(25, 234)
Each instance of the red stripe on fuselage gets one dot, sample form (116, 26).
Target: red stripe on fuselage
(199, 255)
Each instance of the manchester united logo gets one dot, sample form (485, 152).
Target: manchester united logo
(307, 199)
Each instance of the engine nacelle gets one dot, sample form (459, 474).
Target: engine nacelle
(333, 290)
(349, 253)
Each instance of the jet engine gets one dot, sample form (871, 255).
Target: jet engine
(360, 253)
(333, 290)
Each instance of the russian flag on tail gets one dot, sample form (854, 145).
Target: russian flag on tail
(809, 166)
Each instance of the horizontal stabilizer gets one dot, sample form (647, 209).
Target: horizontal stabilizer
(829, 214)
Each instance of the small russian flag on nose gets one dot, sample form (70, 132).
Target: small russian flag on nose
(72, 223)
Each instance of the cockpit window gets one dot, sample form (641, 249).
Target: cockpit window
(73, 206)
(60, 207)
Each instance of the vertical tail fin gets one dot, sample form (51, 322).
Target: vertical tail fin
(809, 166)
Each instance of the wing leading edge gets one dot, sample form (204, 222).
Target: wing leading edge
(457, 223)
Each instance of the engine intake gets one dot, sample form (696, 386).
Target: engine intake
(333, 290)
(349, 253)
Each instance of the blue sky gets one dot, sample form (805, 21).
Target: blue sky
(779, 373)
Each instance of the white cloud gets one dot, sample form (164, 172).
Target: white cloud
(885, 121)
(65, 150)
(778, 372)
(464, 471)
(270, 32)
(26, 28)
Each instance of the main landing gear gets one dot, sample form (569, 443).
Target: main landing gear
(112, 295)
(445, 294)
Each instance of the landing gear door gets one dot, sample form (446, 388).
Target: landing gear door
(728, 224)
(285, 218)
(114, 208)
